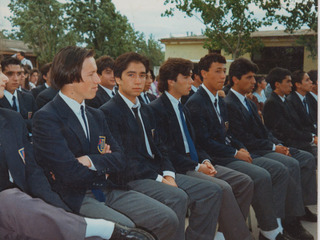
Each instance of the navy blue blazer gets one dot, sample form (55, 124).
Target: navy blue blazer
(27, 107)
(150, 96)
(209, 132)
(35, 91)
(305, 119)
(101, 97)
(282, 120)
(59, 139)
(45, 96)
(169, 127)
(184, 99)
(124, 127)
(17, 156)
(248, 129)
(313, 104)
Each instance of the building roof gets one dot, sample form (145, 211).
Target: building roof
(264, 34)
(13, 46)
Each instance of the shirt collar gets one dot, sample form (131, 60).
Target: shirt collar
(107, 90)
(282, 98)
(46, 84)
(300, 96)
(73, 104)
(239, 95)
(8, 95)
(314, 95)
(129, 103)
(172, 99)
(211, 96)
(194, 88)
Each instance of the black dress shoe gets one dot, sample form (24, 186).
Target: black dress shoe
(309, 216)
(295, 231)
(121, 233)
(279, 237)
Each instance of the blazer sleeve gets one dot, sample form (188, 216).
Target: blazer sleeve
(238, 129)
(52, 152)
(275, 121)
(204, 133)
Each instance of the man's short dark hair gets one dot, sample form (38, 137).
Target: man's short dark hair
(152, 75)
(103, 63)
(9, 61)
(297, 77)
(122, 62)
(67, 65)
(277, 74)
(313, 74)
(195, 70)
(206, 62)
(240, 67)
(23, 54)
(44, 71)
(170, 70)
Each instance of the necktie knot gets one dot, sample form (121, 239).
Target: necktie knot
(248, 106)
(113, 93)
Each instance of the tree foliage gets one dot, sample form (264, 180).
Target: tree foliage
(294, 15)
(229, 23)
(49, 25)
(41, 26)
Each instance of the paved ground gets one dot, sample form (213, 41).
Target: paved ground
(311, 227)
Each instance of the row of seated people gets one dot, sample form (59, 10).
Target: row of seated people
(145, 165)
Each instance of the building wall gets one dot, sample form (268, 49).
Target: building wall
(193, 50)
(190, 50)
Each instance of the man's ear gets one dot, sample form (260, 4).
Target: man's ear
(235, 80)
(170, 82)
(118, 80)
(203, 74)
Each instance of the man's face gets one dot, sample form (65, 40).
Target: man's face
(181, 87)
(215, 77)
(132, 81)
(3, 81)
(245, 84)
(305, 85)
(22, 77)
(34, 77)
(148, 82)
(13, 72)
(107, 78)
(87, 88)
(285, 87)
(315, 87)
(19, 56)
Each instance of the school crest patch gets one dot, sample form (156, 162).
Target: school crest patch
(22, 155)
(101, 144)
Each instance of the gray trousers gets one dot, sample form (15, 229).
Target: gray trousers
(270, 179)
(203, 198)
(23, 217)
(237, 192)
(302, 187)
(132, 208)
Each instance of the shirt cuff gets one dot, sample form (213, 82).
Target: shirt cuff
(197, 167)
(235, 153)
(93, 168)
(169, 173)
(273, 147)
(206, 160)
(159, 178)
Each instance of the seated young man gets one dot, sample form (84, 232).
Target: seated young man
(174, 81)
(210, 120)
(149, 169)
(145, 96)
(286, 126)
(73, 143)
(24, 217)
(246, 125)
(106, 87)
(299, 100)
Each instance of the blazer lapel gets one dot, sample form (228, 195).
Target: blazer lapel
(5, 103)
(72, 121)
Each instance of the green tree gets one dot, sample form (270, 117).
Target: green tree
(294, 15)
(40, 24)
(101, 27)
(229, 23)
(152, 50)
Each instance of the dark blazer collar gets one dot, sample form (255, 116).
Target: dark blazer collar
(72, 121)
